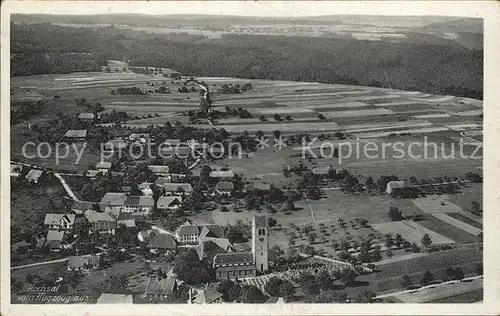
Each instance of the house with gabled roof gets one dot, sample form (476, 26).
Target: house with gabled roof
(322, 171)
(394, 185)
(211, 231)
(54, 240)
(92, 174)
(139, 204)
(103, 166)
(59, 221)
(164, 243)
(234, 265)
(101, 223)
(76, 134)
(228, 174)
(177, 189)
(187, 234)
(114, 199)
(84, 263)
(86, 116)
(168, 203)
(160, 288)
(223, 187)
(160, 171)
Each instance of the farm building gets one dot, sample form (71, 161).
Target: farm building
(84, 263)
(143, 204)
(164, 243)
(160, 171)
(102, 223)
(177, 189)
(223, 187)
(103, 166)
(92, 174)
(112, 199)
(79, 207)
(110, 298)
(86, 116)
(393, 185)
(125, 219)
(143, 138)
(222, 174)
(206, 296)
(34, 175)
(322, 171)
(54, 240)
(59, 221)
(166, 203)
(76, 134)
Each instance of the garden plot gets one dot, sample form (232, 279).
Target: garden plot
(375, 97)
(436, 99)
(399, 132)
(354, 92)
(458, 223)
(395, 103)
(466, 219)
(431, 116)
(156, 103)
(468, 113)
(411, 231)
(383, 126)
(436, 204)
(281, 110)
(283, 127)
(328, 105)
(356, 113)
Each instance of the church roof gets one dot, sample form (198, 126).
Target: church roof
(233, 258)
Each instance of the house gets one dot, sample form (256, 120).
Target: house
(59, 221)
(164, 243)
(207, 296)
(126, 189)
(92, 174)
(143, 138)
(393, 185)
(34, 175)
(15, 170)
(76, 134)
(160, 171)
(223, 243)
(223, 187)
(233, 265)
(187, 233)
(112, 199)
(101, 223)
(125, 219)
(228, 174)
(258, 186)
(167, 203)
(177, 189)
(145, 188)
(84, 263)
(54, 240)
(138, 203)
(86, 116)
(322, 171)
(103, 166)
(160, 288)
(109, 298)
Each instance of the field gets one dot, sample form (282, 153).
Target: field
(442, 292)
(447, 230)
(411, 231)
(466, 219)
(470, 297)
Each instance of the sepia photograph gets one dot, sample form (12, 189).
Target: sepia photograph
(195, 154)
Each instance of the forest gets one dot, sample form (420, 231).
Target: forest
(440, 69)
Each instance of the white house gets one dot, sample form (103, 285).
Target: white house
(166, 203)
(103, 166)
(393, 185)
(59, 221)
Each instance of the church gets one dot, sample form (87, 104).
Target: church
(234, 265)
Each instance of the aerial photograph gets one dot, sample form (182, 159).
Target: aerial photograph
(209, 159)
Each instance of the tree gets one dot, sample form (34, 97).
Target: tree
(279, 287)
(415, 248)
(251, 294)
(388, 253)
(426, 240)
(365, 297)
(347, 276)
(395, 214)
(475, 206)
(459, 273)
(230, 290)
(309, 283)
(427, 278)
(312, 238)
(276, 254)
(389, 242)
(478, 269)
(325, 280)
(190, 269)
(406, 282)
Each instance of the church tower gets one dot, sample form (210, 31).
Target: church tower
(260, 243)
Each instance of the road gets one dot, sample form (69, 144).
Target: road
(39, 263)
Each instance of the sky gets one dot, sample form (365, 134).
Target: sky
(249, 8)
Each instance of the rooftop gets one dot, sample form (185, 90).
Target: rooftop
(80, 261)
(159, 169)
(167, 201)
(86, 116)
(161, 241)
(225, 186)
(233, 258)
(55, 219)
(103, 165)
(160, 287)
(55, 235)
(260, 186)
(175, 186)
(206, 296)
(114, 198)
(34, 174)
(109, 298)
(139, 200)
(187, 230)
(260, 220)
(221, 174)
(76, 133)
